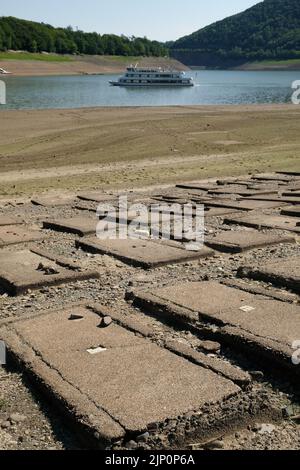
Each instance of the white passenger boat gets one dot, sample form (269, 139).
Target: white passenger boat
(152, 77)
(4, 72)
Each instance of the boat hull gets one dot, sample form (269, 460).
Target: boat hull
(150, 85)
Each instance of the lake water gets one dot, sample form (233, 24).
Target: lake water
(212, 87)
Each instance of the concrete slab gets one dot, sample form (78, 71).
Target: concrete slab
(96, 196)
(266, 327)
(218, 211)
(283, 273)
(197, 186)
(292, 194)
(288, 173)
(237, 242)
(33, 269)
(292, 211)
(115, 384)
(260, 221)
(9, 220)
(78, 225)
(234, 181)
(276, 177)
(15, 234)
(147, 254)
(243, 205)
(278, 199)
(240, 191)
(53, 201)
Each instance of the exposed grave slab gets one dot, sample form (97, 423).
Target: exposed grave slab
(237, 242)
(255, 323)
(291, 194)
(260, 221)
(280, 200)
(282, 273)
(53, 201)
(33, 269)
(115, 384)
(240, 191)
(78, 225)
(16, 234)
(243, 205)
(276, 177)
(197, 186)
(292, 211)
(288, 173)
(144, 253)
(96, 196)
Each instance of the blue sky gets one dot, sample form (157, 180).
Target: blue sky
(157, 19)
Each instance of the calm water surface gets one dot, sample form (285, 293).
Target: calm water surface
(212, 87)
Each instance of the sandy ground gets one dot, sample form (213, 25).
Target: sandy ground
(47, 150)
(85, 65)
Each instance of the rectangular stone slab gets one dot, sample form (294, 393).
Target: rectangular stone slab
(292, 211)
(243, 205)
(242, 191)
(9, 220)
(276, 177)
(144, 253)
(259, 221)
(114, 382)
(250, 320)
(291, 194)
(53, 201)
(237, 242)
(288, 173)
(280, 200)
(96, 196)
(283, 273)
(34, 269)
(78, 225)
(197, 186)
(15, 234)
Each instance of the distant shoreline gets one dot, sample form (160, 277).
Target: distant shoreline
(26, 65)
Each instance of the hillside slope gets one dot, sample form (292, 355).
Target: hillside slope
(269, 30)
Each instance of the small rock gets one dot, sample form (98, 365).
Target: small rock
(5, 425)
(131, 445)
(257, 374)
(105, 322)
(17, 418)
(215, 445)
(143, 437)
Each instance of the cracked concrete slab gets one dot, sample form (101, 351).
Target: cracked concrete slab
(260, 221)
(126, 386)
(237, 242)
(53, 201)
(78, 225)
(16, 234)
(283, 273)
(34, 269)
(252, 322)
(147, 254)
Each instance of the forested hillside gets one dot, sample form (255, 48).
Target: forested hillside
(267, 31)
(29, 36)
